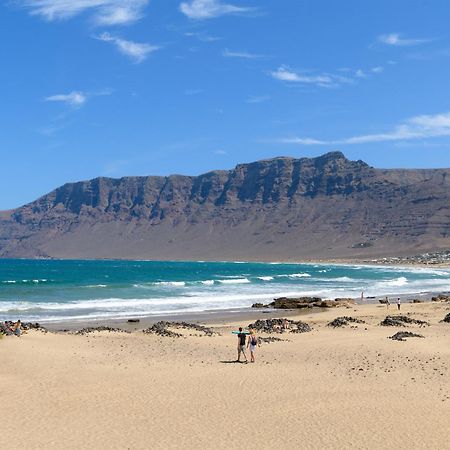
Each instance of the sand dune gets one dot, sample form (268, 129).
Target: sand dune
(328, 389)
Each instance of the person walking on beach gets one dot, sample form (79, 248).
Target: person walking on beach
(252, 342)
(242, 338)
(387, 302)
(17, 328)
(398, 303)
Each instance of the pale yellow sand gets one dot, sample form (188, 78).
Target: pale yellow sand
(329, 389)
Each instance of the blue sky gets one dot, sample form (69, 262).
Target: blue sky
(152, 87)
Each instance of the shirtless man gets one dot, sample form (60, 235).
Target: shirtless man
(242, 338)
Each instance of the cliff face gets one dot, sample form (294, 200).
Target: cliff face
(282, 208)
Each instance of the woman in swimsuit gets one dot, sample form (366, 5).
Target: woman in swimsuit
(252, 342)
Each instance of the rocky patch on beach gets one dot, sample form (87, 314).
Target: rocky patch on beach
(88, 330)
(400, 321)
(441, 298)
(402, 335)
(340, 322)
(270, 339)
(280, 326)
(304, 302)
(7, 326)
(446, 318)
(162, 328)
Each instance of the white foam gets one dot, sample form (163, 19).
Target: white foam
(171, 283)
(207, 282)
(235, 281)
(265, 278)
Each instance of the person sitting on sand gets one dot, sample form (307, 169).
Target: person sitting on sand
(17, 328)
(252, 342)
(242, 338)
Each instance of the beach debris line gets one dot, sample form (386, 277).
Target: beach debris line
(280, 326)
(88, 330)
(400, 321)
(402, 335)
(162, 328)
(344, 321)
(6, 327)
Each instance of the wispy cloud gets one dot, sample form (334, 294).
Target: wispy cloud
(284, 73)
(417, 127)
(396, 39)
(208, 9)
(203, 37)
(103, 12)
(138, 52)
(245, 55)
(325, 79)
(74, 98)
(257, 98)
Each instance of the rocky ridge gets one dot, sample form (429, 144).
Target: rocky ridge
(282, 208)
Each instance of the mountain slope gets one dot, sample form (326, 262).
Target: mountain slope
(277, 209)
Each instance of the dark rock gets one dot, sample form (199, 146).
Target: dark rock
(350, 301)
(446, 318)
(294, 303)
(162, 329)
(327, 304)
(133, 320)
(88, 330)
(441, 298)
(400, 321)
(279, 326)
(259, 305)
(402, 335)
(416, 300)
(270, 339)
(343, 321)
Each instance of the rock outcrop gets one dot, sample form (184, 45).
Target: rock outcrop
(282, 208)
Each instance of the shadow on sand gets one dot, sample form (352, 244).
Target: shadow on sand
(233, 362)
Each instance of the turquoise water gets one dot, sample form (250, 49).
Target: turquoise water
(54, 290)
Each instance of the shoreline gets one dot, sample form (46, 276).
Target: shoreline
(223, 316)
(363, 261)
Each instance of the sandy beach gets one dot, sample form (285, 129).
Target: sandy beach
(332, 388)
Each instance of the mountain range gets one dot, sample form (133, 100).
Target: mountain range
(276, 209)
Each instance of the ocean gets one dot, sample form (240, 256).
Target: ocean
(58, 290)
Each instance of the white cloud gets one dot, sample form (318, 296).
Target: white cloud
(220, 152)
(329, 80)
(395, 39)
(103, 12)
(229, 54)
(284, 73)
(417, 127)
(138, 52)
(74, 98)
(203, 37)
(208, 9)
